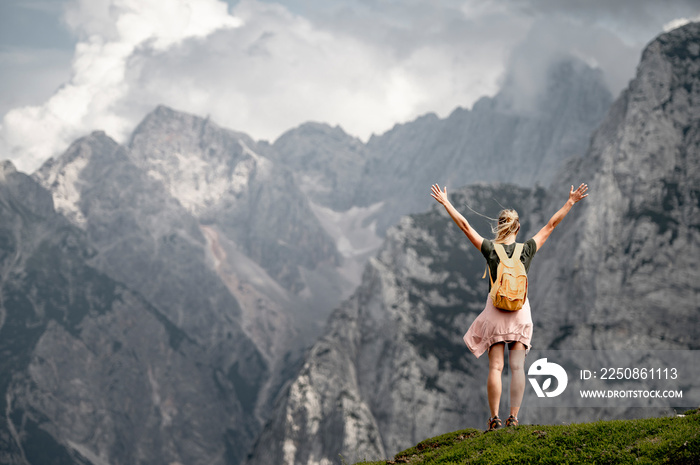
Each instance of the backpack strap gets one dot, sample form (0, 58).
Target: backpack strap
(501, 252)
(487, 271)
(518, 251)
(503, 256)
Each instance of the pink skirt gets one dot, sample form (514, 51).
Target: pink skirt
(494, 325)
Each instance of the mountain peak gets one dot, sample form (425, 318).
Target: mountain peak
(681, 42)
(62, 175)
(531, 89)
(311, 127)
(6, 167)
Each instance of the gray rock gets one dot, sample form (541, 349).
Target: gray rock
(145, 239)
(327, 163)
(632, 275)
(91, 372)
(223, 178)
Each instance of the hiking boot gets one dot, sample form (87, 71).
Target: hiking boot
(511, 421)
(494, 423)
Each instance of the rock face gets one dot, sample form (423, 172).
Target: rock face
(92, 372)
(633, 278)
(223, 179)
(327, 162)
(619, 272)
(265, 241)
(329, 165)
(179, 249)
(145, 239)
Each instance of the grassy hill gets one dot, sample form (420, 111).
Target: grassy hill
(673, 440)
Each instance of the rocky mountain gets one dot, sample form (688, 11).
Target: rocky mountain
(91, 372)
(218, 239)
(145, 239)
(358, 190)
(392, 369)
(269, 247)
(327, 163)
(160, 313)
(223, 178)
(188, 266)
(495, 141)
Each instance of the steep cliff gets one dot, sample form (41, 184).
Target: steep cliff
(620, 272)
(632, 247)
(91, 372)
(145, 239)
(268, 246)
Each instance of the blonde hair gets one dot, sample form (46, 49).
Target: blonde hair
(508, 223)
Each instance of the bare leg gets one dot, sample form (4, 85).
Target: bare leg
(493, 383)
(516, 358)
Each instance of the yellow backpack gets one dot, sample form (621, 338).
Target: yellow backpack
(509, 291)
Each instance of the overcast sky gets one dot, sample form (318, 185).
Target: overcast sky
(68, 67)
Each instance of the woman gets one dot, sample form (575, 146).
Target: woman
(493, 329)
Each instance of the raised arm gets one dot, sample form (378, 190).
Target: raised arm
(574, 196)
(456, 216)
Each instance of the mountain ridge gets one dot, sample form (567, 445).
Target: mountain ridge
(239, 262)
(88, 365)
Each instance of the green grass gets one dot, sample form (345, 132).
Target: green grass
(672, 440)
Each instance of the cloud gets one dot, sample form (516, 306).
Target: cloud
(550, 40)
(263, 68)
(678, 22)
(111, 31)
(280, 69)
(260, 69)
(631, 19)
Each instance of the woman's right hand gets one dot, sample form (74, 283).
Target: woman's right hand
(439, 195)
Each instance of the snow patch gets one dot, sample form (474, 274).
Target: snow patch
(198, 183)
(289, 450)
(64, 185)
(352, 238)
(355, 242)
(87, 453)
(262, 163)
(241, 175)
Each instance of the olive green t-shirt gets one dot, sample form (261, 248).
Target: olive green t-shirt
(489, 253)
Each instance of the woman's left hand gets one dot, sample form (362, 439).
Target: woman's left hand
(578, 194)
(439, 195)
